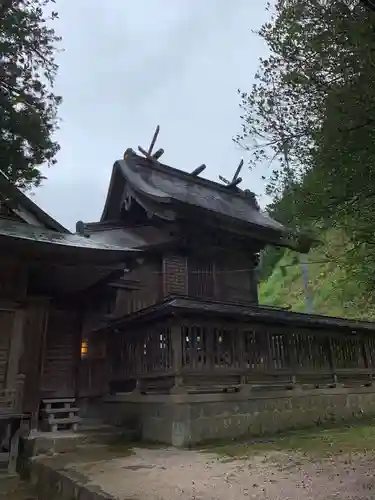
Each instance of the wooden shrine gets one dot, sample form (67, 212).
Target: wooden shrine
(150, 318)
(186, 322)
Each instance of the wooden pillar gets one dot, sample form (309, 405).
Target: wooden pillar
(15, 350)
(210, 347)
(366, 357)
(176, 340)
(331, 357)
(78, 356)
(292, 356)
(31, 364)
(241, 348)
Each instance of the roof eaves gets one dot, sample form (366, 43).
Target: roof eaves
(17, 195)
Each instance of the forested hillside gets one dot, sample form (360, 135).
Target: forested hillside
(309, 122)
(335, 289)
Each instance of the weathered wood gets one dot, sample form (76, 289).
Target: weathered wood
(36, 320)
(15, 350)
(59, 370)
(7, 318)
(176, 341)
(224, 355)
(175, 277)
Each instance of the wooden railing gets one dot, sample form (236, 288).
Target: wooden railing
(212, 355)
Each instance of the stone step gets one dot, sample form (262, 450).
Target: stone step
(58, 401)
(40, 443)
(63, 420)
(60, 410)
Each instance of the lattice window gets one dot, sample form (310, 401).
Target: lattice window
(194, 345)
(201, 277)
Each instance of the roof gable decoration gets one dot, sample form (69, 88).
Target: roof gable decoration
(163, 191)
(122, 189)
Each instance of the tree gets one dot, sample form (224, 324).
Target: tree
(370, 4)
(312, 113)
(28, 106)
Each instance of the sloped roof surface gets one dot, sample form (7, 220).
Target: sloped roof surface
(129, 237)
(166, 185)
(254, 313)
(17, 197)
(23, 231)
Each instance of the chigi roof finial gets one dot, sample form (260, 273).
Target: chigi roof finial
(235, 179)
(197, 171)
(148, 154)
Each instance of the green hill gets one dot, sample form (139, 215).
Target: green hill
(336, 291)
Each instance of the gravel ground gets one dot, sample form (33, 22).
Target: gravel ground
(160, 474)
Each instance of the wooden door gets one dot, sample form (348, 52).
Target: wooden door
(61, 354)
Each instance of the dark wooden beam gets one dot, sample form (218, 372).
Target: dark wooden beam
(156, 133)
(198, 170)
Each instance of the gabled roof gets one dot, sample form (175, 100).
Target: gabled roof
(25, 208)
(38, 231)
(161, 184)
(168, 192)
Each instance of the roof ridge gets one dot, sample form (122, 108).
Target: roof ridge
(246, 194)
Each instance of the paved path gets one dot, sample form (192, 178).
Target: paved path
(161, 474)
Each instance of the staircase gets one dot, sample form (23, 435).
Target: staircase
(59, 414)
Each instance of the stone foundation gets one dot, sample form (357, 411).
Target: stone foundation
(189, 419)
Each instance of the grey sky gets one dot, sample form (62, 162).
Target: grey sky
(130, 65)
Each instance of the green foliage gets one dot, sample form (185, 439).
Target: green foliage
(311, 114)
(270, 257)
(310, 444)
(27, 104)
(337, 288)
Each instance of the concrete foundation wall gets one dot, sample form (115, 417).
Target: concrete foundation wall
(188, 419)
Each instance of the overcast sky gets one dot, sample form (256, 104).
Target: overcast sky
(131, 65)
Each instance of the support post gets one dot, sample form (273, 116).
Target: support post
(177, 357)
(292, 358)
(32, 360)
(367, 359)
(332, 361)
(16, 348)
(241, 349)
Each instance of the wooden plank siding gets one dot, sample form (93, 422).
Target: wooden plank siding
(13, 281)
(175, 280)
(228, 277)
(61, 353)
(236, 278)
(148, 291)
(36, 320)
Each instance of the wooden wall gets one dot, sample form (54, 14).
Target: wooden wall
(6, 330)
(34, 336)
(148, 288)
(13, 280)
(236, 279)
(175, 275)
(227, 275)
(61, 352)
